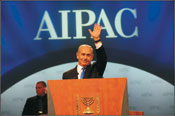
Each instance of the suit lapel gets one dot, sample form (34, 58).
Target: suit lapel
(87, 71)
(74, 73)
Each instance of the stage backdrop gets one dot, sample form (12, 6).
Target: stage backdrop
(39, 40)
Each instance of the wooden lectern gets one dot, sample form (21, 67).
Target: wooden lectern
(107, 96)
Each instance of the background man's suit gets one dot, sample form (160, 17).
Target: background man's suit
(32, 105)
(94, 70)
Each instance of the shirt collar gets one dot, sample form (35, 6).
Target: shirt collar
(79, 68)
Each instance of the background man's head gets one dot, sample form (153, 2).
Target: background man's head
(85, 55)
(41, 88)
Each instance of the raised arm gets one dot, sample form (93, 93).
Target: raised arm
(100, 51)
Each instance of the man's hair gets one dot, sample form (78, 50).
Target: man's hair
(42, 82)
(85, 45)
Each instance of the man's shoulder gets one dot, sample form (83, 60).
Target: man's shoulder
(32, 98)
(70, 71)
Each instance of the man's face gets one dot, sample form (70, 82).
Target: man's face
(40, 90)
(84, 55)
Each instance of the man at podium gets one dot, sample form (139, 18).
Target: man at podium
(84, 68)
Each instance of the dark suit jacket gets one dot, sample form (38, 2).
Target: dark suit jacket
(94, 70)
(32, 105)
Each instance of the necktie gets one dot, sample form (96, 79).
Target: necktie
(40, 110)
(82, 73)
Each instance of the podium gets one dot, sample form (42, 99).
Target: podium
(106, 96)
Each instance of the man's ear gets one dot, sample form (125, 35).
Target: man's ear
(45, 89)
(92, 56)
(77, 55)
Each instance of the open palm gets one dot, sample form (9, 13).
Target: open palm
(96, 32)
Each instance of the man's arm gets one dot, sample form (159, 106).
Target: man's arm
(101, 60)
(100, 51)
(26, 108)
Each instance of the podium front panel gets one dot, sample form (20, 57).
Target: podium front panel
(107, 96)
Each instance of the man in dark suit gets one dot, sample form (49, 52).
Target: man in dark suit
(84, 68)
(37, 105)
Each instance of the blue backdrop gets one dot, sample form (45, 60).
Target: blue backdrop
(39, 40)
(151, 49)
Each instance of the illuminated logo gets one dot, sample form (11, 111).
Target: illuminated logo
(46, 20)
